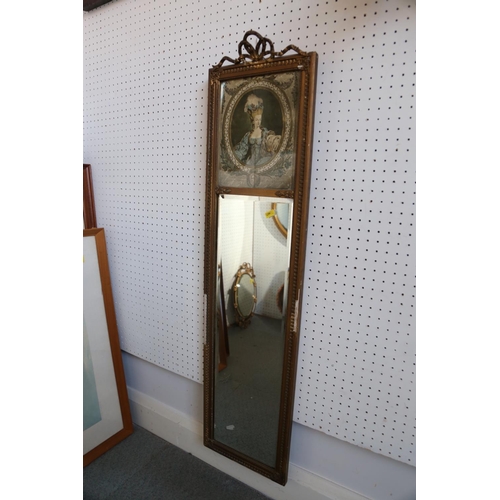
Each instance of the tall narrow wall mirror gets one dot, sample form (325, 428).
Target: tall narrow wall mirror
(261, 113)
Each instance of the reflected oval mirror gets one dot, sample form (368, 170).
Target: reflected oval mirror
(280, 217)
(245, 294)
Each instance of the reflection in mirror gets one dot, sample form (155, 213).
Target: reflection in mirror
(247, 392)
(245, 294)
(222, 341)
(279, 212)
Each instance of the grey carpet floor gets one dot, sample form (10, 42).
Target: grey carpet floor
(145, 467)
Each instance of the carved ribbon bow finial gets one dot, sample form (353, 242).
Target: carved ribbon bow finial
(260, 50)
(257, 52)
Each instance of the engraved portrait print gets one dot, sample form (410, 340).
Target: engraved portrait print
(258, 132)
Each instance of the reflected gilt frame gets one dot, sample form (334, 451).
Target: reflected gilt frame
(279, 223)
(222, 324)
(244, 319)
(258, 80)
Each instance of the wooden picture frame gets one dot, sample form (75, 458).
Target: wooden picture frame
(273, 91)
(106, 412)
(89, 215)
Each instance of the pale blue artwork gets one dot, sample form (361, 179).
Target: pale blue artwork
(91, 410)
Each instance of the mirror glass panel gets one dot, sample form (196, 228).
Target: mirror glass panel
(247, 391)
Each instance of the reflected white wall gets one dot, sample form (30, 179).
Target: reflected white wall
(235, 242)
(270, 260)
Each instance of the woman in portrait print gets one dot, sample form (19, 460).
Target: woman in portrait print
(259, 145)
(257, 148)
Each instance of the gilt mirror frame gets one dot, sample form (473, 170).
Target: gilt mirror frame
(286, 81)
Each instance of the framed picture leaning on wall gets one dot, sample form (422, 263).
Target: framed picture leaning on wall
(106, 411)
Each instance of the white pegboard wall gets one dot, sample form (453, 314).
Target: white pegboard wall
(235, 244)
(356, 379)
(145, 101)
